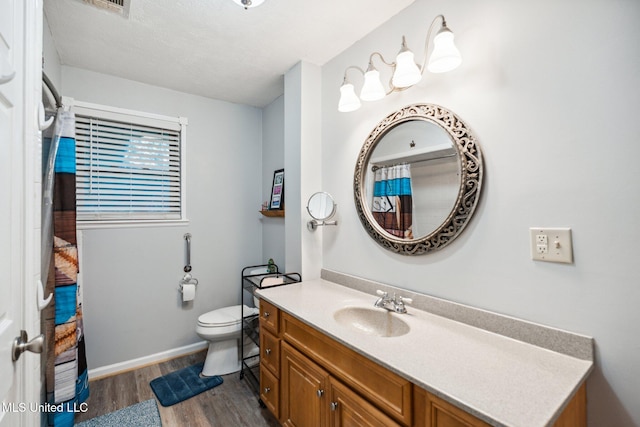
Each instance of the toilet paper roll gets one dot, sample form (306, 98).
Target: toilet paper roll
(188, 292)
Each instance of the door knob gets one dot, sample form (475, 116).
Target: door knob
(21, 344)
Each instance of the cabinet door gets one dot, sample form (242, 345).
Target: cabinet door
(348, 409)
(303, 401)
(431, 411)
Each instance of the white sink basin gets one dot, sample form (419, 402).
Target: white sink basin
(372, 321)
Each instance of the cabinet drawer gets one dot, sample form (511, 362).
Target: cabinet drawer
(270, 352)
(269, 391)
(386, 390)
(269, 317)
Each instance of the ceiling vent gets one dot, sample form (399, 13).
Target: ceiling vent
(120, 7)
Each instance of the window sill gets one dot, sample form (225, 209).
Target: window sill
(96, 225)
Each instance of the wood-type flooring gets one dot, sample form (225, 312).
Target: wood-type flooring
(231, 404)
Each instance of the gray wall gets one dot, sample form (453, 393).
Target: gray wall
(552, 91)
(272, 159)
(130, 276)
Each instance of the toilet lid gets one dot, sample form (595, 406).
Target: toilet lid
(226, 316)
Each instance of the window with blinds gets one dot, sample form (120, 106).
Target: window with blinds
(127, 170)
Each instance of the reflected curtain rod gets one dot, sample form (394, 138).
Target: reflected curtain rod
(375, 167)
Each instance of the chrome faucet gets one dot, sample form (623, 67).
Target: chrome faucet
(395, 303)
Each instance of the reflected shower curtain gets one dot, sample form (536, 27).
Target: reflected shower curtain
(392, 200)
(66, 367)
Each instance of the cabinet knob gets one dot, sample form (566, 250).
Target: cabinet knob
(267, 390)
(334, 406)
(320, 393)
(266, 314)
(267, 351)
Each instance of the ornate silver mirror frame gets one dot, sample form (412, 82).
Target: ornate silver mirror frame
(470, 158)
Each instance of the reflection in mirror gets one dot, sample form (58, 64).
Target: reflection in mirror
(321, 207)
(422, 155)
(417, 179)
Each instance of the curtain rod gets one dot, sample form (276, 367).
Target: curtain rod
(52, 89)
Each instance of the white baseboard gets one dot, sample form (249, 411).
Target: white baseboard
(118, 368)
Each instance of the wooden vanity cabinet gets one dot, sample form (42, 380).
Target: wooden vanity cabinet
(308, 379)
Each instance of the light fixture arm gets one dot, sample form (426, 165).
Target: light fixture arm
(392, 88)
(351, 67)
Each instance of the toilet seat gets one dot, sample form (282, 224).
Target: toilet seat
(226, 316)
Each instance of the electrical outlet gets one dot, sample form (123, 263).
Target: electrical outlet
(542, 244)
(551, 244)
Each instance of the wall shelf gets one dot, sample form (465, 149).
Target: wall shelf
(273, 213)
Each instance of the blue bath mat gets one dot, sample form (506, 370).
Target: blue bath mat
(183, 384)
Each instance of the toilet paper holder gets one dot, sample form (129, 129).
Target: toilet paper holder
(187, 279)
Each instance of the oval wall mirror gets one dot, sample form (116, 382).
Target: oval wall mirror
(417, 179)
(321, 206)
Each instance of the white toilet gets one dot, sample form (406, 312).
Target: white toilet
(223, 329)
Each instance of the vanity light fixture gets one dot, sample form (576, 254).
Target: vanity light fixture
(406, 73)
(249, 3)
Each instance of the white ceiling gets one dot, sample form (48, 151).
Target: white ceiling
(212, 48)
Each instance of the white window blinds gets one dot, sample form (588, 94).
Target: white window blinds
(127, 171)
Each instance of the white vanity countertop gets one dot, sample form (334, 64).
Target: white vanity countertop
(502, 381)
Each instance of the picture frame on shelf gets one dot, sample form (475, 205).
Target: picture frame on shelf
(277, 191)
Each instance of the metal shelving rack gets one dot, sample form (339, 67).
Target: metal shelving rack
(252, 279)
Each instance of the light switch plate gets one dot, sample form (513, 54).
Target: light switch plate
(551, 244)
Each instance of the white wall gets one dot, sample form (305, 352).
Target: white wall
(131, 303)
(51, 60)
(552, 91)
(302, 86)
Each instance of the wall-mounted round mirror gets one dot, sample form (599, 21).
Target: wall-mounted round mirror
(321, 207)
(417, 179)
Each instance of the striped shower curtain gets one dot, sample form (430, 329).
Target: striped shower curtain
(66, 366)
(392, 200)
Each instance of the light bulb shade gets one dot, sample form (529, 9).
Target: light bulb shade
(372, 89)
(349, 101)
(249, 3)
(407, 72)
(445, 56)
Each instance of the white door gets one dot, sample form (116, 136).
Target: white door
(18, 205)
(10, 243)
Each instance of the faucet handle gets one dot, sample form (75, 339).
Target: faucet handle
(405, 300)
(380, 302)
